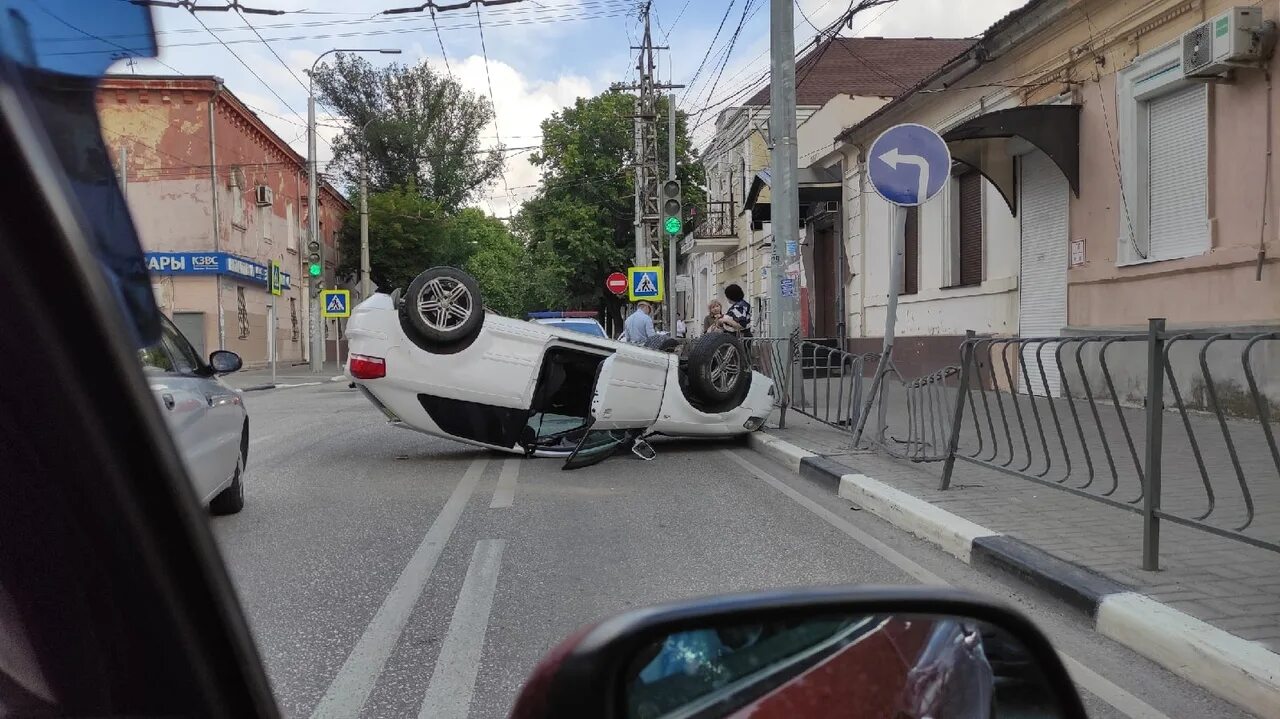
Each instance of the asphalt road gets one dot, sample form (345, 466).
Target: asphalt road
(390, 574)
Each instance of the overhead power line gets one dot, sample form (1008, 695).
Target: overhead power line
(489, 80)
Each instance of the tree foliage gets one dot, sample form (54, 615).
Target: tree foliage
(580, 225)
(418, 127)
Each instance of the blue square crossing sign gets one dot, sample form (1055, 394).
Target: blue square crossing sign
(335, 303)
(644, 283)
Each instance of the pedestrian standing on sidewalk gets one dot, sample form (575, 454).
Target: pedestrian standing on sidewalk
(681, 328)
(738, 319)
(714, 312)
(639, 324)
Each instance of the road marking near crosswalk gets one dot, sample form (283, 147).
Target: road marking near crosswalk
(1090, 680)
(355, 680)
(505, 493)
(453, 680)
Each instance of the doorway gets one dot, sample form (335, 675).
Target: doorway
(1042, 285)
(826, 284)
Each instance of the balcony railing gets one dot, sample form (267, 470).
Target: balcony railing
(716, 222)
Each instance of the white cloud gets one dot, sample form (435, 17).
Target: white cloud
(520, 106)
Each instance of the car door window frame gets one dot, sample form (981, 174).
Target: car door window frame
(180, 350)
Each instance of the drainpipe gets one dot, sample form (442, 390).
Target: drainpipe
(217, 230)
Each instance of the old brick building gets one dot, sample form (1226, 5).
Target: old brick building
(216, 196)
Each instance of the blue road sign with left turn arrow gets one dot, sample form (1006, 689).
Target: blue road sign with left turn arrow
(908, 164)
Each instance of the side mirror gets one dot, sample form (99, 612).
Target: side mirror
(224, 361)
(899, 652)
(643, 450)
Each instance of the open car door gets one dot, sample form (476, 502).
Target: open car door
(625, 402)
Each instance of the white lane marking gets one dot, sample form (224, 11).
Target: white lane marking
(505, 493)
(355, 680)
(299, 384)
(1095, 683)
(453, 680)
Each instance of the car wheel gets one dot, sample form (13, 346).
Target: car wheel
(231, 499)
(662, 343)
(442, 311)
(718, 370)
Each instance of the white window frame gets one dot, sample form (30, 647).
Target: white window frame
(1148, 77)
(291, 228)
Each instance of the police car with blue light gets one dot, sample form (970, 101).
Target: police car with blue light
(433, 359)
(583, 321)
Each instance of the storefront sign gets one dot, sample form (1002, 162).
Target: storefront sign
(212, 263)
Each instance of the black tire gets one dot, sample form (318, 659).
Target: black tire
(719, 371)
(440, 328)
(662, 343)
(231, 499)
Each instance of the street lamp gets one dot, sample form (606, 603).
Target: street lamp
(365, 284)
(313, 209)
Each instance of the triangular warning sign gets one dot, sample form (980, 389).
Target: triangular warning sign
(645, 285)
(336, 304)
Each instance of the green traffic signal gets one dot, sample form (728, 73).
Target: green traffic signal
(314, 269)
(673, 225)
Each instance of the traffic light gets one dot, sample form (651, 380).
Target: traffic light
(315, 262)
(672, 207)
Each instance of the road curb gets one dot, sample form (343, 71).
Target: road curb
(257, 388)
(1240, 671)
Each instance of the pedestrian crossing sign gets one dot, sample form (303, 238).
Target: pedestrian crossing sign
(644, 283)
(335, 303)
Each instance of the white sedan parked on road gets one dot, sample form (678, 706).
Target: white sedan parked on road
(436, 361)
(206, 417)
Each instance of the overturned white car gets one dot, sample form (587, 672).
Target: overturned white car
(436, 361)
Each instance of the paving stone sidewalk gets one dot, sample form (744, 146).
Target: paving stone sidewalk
(1231, 585)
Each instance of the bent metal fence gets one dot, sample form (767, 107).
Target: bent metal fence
(1169, 425)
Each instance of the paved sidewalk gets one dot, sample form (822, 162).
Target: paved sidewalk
(1230, 585)
(286, 376)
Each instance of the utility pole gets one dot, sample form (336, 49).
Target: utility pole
(364, 232)
(671, 239)
(648, 215)
(784, 191)
(313, 232)
(124, 171)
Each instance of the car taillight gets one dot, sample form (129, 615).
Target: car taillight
(363, 367)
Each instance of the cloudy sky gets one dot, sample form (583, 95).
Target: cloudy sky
(542, 54)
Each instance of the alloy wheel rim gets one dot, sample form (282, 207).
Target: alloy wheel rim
(725, 367)
(444, 304)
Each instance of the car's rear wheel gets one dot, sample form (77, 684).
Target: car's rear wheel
(231, 499)
(442, 310)
(662, 343)
(718, 370)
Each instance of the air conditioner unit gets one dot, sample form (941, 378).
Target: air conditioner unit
(262, 196)
(1236, 37)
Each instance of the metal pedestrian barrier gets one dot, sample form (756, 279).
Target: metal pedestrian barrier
(1169, 425)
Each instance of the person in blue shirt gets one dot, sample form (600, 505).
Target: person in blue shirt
(639, 324)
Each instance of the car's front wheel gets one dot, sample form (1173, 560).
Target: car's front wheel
(442, 310)
(231, 499)
(662, 343)
(719, 371)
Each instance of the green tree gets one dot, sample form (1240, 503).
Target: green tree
(498, 261)
(417, 127)
(580, 225)
(407, 234)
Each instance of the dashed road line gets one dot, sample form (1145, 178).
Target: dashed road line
(355, 680)
(453, 680)
(505, 493)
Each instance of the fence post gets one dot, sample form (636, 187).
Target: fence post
(966, 362)
(1155, 437)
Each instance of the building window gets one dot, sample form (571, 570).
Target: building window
(264, 219)
(969, 220)
(1164, 160)
(236, 185)
(290, 228)
(911, 253)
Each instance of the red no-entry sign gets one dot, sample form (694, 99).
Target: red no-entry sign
(616, 283)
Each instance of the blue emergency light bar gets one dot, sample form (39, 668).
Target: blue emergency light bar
(552, 314)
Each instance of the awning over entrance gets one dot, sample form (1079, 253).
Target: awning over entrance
(988, 143)
(816, 185)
